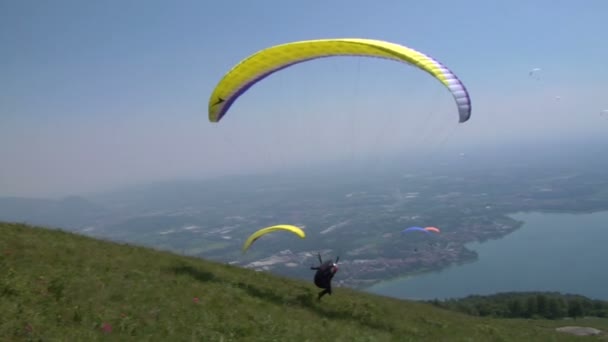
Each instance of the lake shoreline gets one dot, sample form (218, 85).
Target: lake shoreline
(532, 217)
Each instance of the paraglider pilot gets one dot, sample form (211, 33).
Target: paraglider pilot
(323, 276)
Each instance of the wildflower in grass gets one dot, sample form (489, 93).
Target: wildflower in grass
(106, 328)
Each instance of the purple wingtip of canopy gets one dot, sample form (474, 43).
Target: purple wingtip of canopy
(467, 114)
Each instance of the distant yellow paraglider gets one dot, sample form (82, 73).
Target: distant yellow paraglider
(253, 237)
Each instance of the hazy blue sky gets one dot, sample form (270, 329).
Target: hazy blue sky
(102, 93)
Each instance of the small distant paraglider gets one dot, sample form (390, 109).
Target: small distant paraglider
(426, 230)
(535, 73)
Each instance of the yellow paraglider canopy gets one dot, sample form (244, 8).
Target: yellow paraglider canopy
(270, 60)
(253, 237)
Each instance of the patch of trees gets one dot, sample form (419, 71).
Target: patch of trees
(548, 305)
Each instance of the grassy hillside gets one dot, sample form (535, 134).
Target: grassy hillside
(61, 286)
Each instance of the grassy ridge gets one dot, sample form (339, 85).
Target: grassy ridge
(61, 286)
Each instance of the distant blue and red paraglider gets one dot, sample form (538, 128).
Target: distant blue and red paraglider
(420, 229)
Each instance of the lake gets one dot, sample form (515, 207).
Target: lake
(550, 252)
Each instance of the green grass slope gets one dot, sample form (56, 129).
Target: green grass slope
(58, 286)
